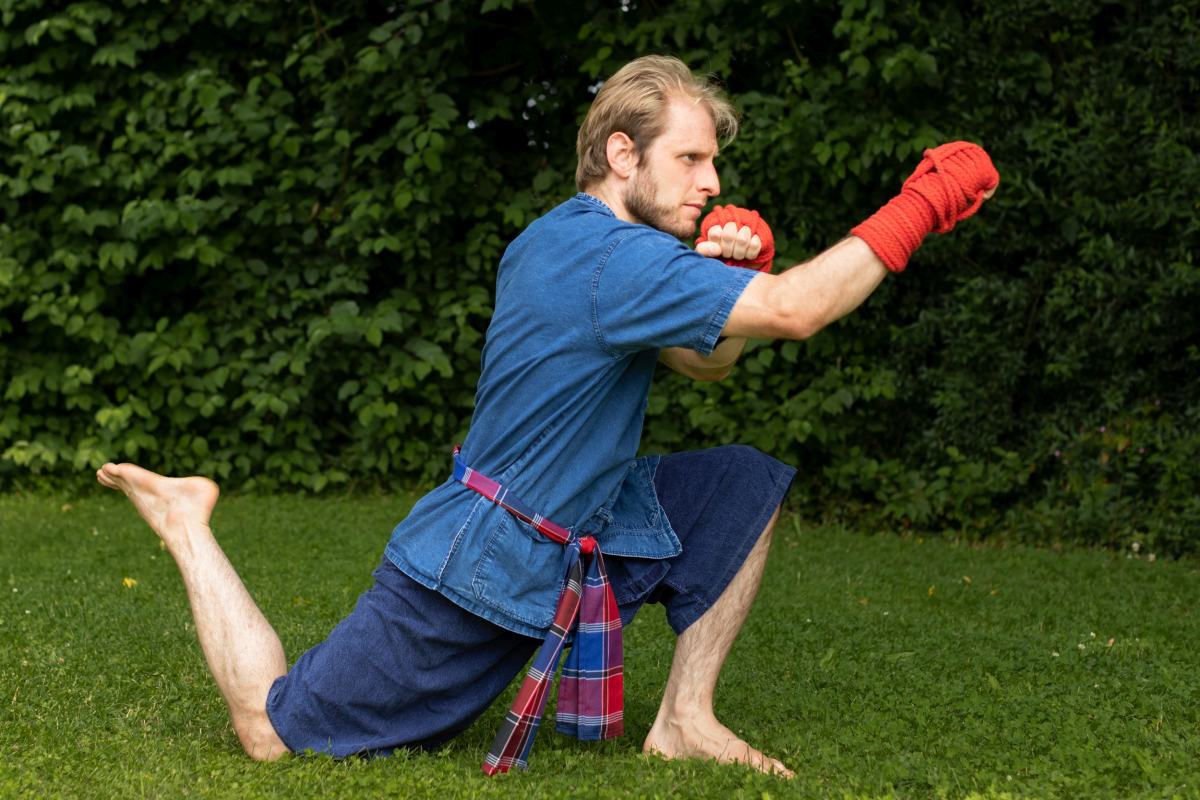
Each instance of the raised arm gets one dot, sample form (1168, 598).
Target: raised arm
(950, 184)
(801, 301)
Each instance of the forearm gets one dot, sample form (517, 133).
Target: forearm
(949, 185)
(804, 299)
(724, 355)
(714, 367)
(828, 287)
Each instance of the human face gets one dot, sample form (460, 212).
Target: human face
(676, 176)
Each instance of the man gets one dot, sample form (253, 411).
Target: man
(588, 298)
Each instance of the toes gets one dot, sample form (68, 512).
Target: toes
(105, 479)
(764, 763)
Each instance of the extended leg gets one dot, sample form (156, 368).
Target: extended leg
(686, 726)
(242, 650)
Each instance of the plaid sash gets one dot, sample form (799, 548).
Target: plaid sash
(591, 697)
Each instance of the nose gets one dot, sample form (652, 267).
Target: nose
(707, 180)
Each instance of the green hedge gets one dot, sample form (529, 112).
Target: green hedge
(258, 242)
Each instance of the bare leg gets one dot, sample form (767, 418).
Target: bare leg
(686, 726)
(242, 650)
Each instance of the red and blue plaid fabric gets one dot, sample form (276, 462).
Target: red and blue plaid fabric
(591, 693)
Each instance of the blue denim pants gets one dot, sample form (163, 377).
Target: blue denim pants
(409, 668)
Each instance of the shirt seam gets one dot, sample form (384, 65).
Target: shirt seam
(458, 537)
(595, 293)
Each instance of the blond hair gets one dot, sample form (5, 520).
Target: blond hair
(634, 102)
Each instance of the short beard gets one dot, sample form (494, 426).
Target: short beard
(642, 205)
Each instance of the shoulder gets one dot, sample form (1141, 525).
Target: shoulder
(578, 223)
(641, 246)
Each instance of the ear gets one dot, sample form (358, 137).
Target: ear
(622, 155)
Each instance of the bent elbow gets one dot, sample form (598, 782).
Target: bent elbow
(799, 328)
(710, 373)
(789, 319)
(812, 329)
(718, 374)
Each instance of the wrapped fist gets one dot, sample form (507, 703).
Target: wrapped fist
(949, 185)
(728, 226)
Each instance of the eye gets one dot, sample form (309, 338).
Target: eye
(691, 158)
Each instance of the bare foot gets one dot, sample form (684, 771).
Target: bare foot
(167, 504)
(707, 738)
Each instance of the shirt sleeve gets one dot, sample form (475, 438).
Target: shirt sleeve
(651, 291)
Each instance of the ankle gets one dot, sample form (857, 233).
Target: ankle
(685, 708)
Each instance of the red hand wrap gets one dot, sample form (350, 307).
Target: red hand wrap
(946, 188)
(742, 217)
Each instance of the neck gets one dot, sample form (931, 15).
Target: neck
(610, 195)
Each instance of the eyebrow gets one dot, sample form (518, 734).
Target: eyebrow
(698, 151)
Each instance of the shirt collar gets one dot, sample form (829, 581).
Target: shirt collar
(600, 204)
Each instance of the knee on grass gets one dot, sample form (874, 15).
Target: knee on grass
(259, 739)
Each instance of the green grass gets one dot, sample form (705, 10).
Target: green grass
(872, 665)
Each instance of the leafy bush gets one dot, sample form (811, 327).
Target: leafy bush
(260, 243)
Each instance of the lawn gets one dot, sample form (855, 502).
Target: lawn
(874, 666)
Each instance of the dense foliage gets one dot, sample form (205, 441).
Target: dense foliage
(258, 241)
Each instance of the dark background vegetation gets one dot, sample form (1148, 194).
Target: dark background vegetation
(258, 242)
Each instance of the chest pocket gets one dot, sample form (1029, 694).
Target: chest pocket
(632, 523)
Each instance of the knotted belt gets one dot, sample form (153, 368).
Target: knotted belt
(591, 692)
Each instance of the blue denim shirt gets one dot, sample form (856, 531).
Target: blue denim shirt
(584, 302)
